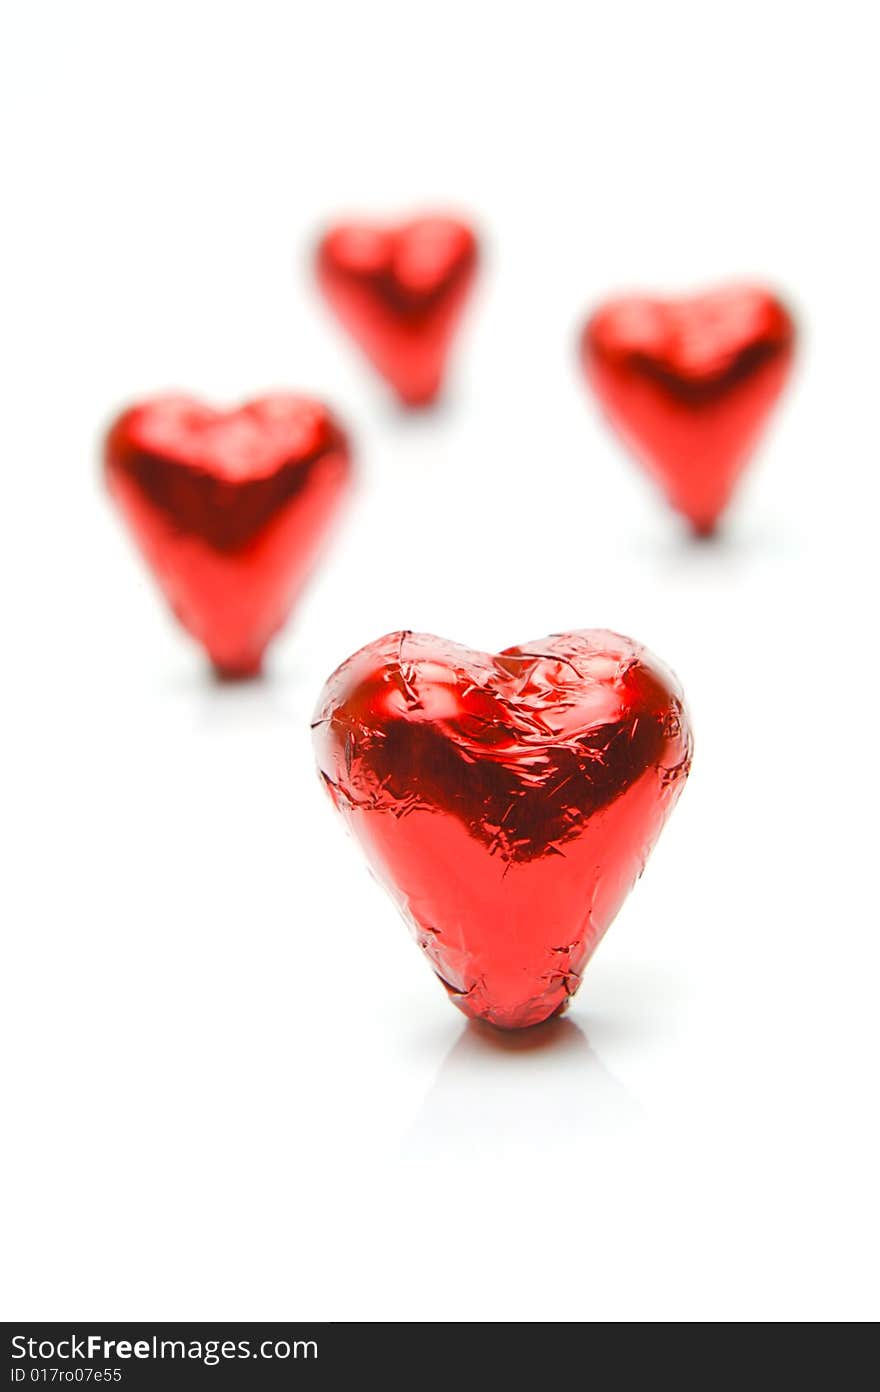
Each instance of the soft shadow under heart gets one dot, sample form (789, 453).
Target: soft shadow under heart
(528, 1088)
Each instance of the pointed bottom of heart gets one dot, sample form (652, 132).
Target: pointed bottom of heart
(538, 1011)
(704, 531)
(513, 991)
(227, 673)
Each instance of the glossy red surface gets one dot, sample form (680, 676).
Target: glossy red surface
(507, 802)
(689, 384)
(229, 508)
(400, 292)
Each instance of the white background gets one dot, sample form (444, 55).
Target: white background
(232, 1087)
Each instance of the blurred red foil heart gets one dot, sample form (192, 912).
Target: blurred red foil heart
(400, 291)
(507, 802)
(229, 508)
(689, 384)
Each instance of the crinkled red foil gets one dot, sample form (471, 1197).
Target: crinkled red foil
(507, 802)
(400, 291)
(230, 509)
(689, 384)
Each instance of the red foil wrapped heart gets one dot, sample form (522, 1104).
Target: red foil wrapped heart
(507, 802)
(400, 292)
(229, 508)
(689, 384)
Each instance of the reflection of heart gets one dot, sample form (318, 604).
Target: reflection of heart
(689, 384)
(400, 292)
(507, 802)
(229, 509)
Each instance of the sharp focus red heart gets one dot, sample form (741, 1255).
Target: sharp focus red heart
(229, 508)
(507, 802)
(689, 384)
(400, 291)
